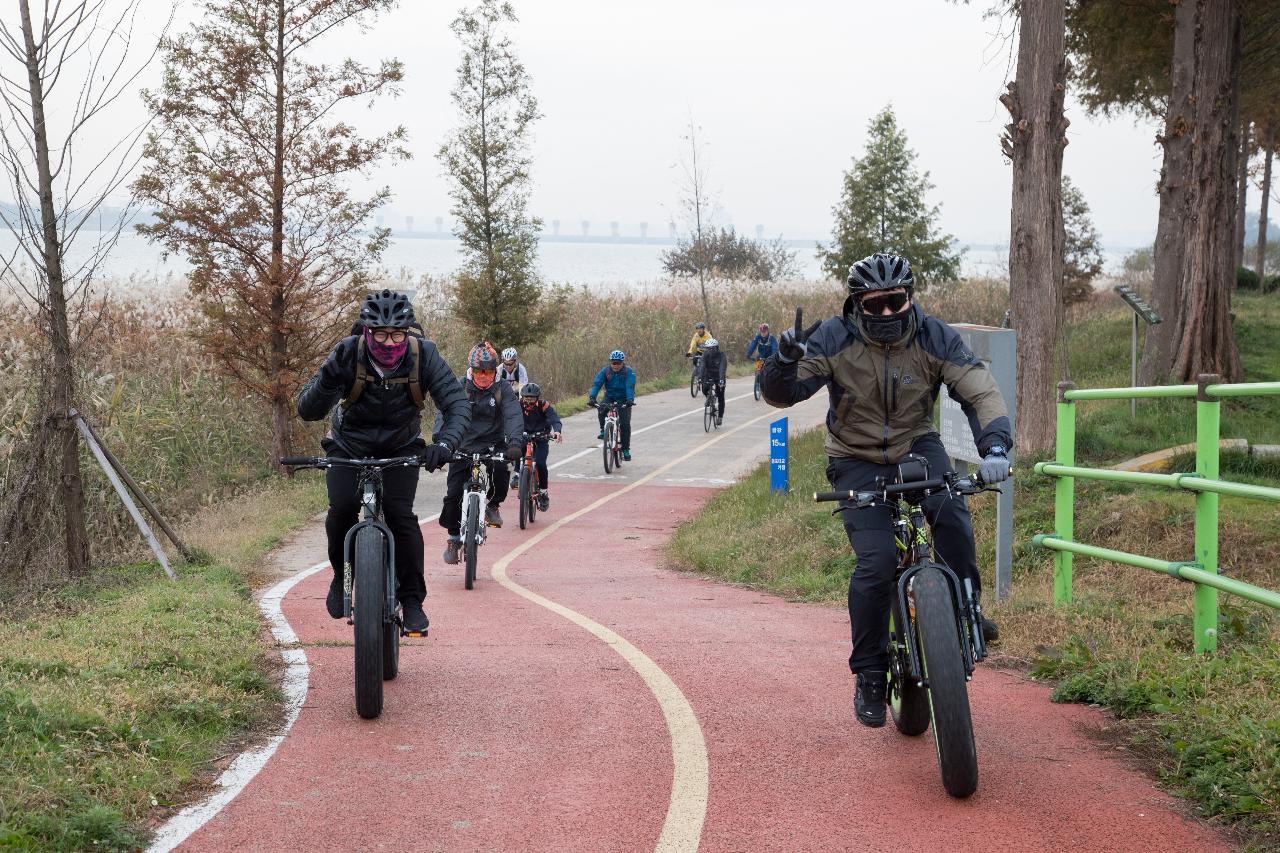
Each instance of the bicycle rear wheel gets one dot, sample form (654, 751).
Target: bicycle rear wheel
(390, 650)
(533, 495)
(524, 499)
(470, 533)
(908, 701)
(370, 602)
(608, 448)
(948, 691)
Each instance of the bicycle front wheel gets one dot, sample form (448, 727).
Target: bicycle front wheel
(948, 691)
(908, 701)
(608, 448)
(756, 389)
(524, 499)
(708, 415)
(471, 533)
(693, 383)
(370, 602)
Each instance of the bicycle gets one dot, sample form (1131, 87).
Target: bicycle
(369, 600)
(527, 476)
(710, 407)
(474, 496)
(935, 623)
(759, 374)
(612, 445)
(695, 377)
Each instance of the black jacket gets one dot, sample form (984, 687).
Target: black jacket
(715, 365)
(384, 421)
(493, 424)
(540, 416)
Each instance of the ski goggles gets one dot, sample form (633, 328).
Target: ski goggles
(877, 303)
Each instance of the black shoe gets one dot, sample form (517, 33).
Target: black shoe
(544, 501)
(333, 601)
(492, 517)
(868, 699)
(451, 551)
(990, 630)
(415, 621)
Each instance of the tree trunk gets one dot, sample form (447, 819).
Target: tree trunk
(1204, 336)
(280, 413)
(1176, 200)
(1035, 137)
(1269, 149)
(71, 484)
(1242, 192)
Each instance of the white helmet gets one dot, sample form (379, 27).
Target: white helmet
(509, 354)
(711, 343)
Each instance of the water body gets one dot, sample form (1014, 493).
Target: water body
(596, 264)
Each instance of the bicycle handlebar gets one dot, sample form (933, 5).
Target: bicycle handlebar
(535, 436)
(970, 485)
(459, 456)
(630, 405)
(331, 461)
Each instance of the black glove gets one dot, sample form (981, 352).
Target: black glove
(337, 366)
(591, 401)
(513, 452)
(436, 456)
(793, 345)
(994, 467)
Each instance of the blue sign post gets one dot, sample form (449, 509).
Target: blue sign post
(779, 456)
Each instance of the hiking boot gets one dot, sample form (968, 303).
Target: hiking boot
(415, 621)
(868, 699)
(544, 501)
(990, 631)
(626, 456)
(451, 549)
(492, 517)
(600, 437)
(333, 601)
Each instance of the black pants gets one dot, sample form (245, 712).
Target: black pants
(870, 533)
(624, 423)
(398, 488)
(540, 450)
(459, 473)
(709, 388)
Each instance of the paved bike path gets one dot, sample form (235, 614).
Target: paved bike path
(513, 728)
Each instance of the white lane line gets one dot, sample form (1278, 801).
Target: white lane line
(687, 808)
(635, 432)
(297, 675)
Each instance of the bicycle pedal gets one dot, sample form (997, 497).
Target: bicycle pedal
(416, 633)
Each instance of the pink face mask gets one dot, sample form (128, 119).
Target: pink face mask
(388, 354)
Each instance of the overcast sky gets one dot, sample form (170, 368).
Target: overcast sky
(782, 91)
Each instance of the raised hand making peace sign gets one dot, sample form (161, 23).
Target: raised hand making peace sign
(793, 344)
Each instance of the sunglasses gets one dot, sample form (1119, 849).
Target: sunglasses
(895, 302)
(616, 363)
(382, 337)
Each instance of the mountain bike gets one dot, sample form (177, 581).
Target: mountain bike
(369, 600)
(935, 622)
(695, 377)
(527, 477)
(759, 373)
(475, 495)
(612, 445)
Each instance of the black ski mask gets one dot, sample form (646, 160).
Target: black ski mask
(886, 329)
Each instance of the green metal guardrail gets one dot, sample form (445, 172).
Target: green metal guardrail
(1203, 570)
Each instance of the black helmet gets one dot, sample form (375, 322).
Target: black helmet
(880, 271)
(530, 389)
(387, 309)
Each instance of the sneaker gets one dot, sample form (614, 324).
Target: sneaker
(333, 601)
(451, 549)
(990, 630)
(719, 420)
(544, 501)
(492, 517)
(626, 456)
(515, 481)
(600, 437)
(868, 699)
(415, 621)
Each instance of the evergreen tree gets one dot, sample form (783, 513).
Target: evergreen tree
(1081, 248)
(883, 209)
(498, 293)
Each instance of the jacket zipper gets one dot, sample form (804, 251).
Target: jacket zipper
(884, 445)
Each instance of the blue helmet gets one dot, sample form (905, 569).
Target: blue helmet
(617, 355)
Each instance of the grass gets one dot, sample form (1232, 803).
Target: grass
(1208, 725)
(119, 692)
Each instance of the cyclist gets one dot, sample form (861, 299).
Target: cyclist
(882, 362)
(378, 373)
(619, 383)
(714, 367)
(495, 422)
(512, 371)
(696, 343)
(763, 344)
(540, 416)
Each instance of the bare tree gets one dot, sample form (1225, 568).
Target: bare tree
(698, 203)
(1242, 189)
(1269, 150)
(61, 176)
(1034, 140)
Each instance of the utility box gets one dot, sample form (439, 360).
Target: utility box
(998, 351)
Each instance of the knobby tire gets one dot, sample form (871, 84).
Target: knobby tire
(370, 602)
(470, 532)
(390, 650)
(908, 702)
(948, 691)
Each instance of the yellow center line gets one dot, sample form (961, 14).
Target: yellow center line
(687, 809)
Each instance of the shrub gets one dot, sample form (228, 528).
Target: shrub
(1246, 279)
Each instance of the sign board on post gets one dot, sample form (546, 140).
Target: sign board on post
(997, 349)
(1147, 313)
(779, 454)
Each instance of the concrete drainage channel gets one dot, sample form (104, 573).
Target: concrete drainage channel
(1160, 460)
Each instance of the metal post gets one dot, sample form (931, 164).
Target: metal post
(1207, 432)
(1064, 495)
(1133, 368)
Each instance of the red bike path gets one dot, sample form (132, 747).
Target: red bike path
(512, 728)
